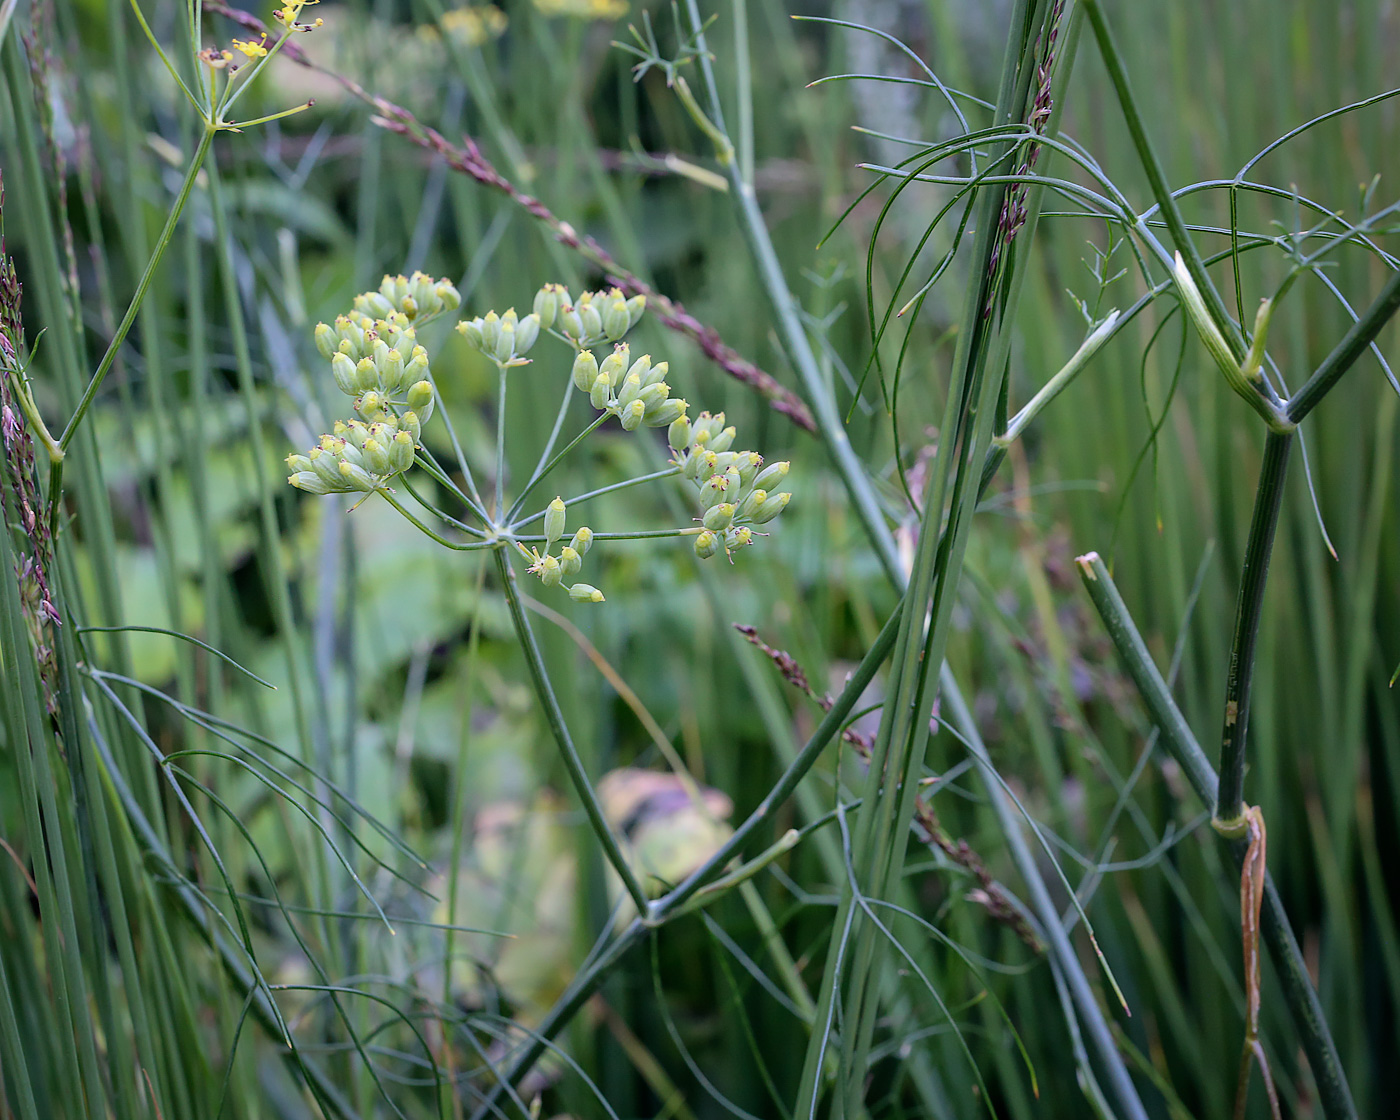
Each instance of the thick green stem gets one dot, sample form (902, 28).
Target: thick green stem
(1181, 744)
(555, 716)
(1344, 355)
(1229, 806)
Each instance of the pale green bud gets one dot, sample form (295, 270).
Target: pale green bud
(708, 426)
(347, 452)
(377, 456)
(700, 465)
(297, 462)
(504, 349)
(635, 306)
(752, 503)
(583, 540)
(374, 303)
(326, 340)
(326, 465)
(748, 463)
(669, 410)
(590, 320)
(370, 406)
(641, 369)
(720, 517)
(366, 375)
(410, 306)
(356, 477)
(722, 441)
(311, 482)
(391, 369)
(379, 353)
(415, 370)
(554, 520)
(447, 295)
(550, 572)
(713, 490)
(343, 370)
(570, 323)
(772, 476)
(601, 393)
(631, 387)
(773, 505)
(731, 482)
(585, 371)
(654, 396)
(546, 305)
(632, 415)
(737, 538)
(490, 332)
(723, 460)
(585, 593)
(470, 329)
(411, 424)
(400, 452)
(706, 545)
(356, 432)
(569, 561)
(678, 434)
(509, 317)
(420, 397)
(616, 321)
(526, 332)
(615, 364)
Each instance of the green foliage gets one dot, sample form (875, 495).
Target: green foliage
(290, 791)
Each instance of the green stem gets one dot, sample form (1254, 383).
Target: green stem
(638, 481)
(1345, 354)
(543, 472)
(162, 243)
(470, 546)
(1157, 180)
(1229, 805)
(640, 535)
(1181, 744)
(555, 716)
(501, 447)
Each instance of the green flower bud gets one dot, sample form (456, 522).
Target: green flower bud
(410, 306)
(665, 413)
(583, 540)
(420, 397)
(722, 441)
(370, 406)
(550, 572)
(343, 370)
(601, 393)
(641, 368)
(772, 505)
(570, 323)
(585, 593)
(297, 462)
(631, 416)
(470, 329)
(631, 387)
(554, 520)
(356, 432)
(546, 305)
(357, 478)
(400, 452)
(657, 375)
(700, 465)
(366, 375)
(570, 561)
(347, 452)
(379, 353)
(504, 349)
(391, 371)
(526, 332)
(737, 538)
(615, 364)
(713, 490)
(377, 456)
(723, 460)
(706, 545)
(416, 370)
(635, 306)
(590, 320)
(752, 503)
(585, 371)
(616, 321)
(311, 482)
(772, 476)
(326, 340)
(707, 427)
(720, 517)
(748, 463)
(410, 423)
(678, 434)
(731, 482)
(326, 465)
(654, 396)
(490, 332)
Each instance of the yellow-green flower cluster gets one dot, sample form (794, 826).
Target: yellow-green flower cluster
(592, 319)
(554, 570)
(505, 339)
(737, 491)
(635, 392)
(376, 359)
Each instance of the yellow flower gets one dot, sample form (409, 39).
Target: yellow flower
(289, 15)
(251, 49)
(583, 9)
